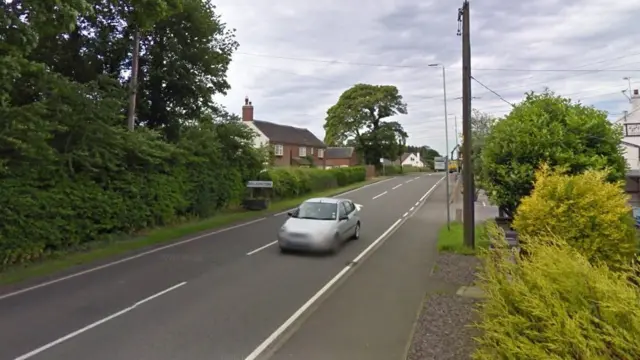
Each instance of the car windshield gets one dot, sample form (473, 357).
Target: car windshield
(317, 211)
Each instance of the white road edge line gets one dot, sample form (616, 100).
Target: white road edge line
(395, 187)
(377, 196)
(413, 207)
(292, 319)
(405, 214)
(408, 181)
(344, 193)
(265, 344)
(417, 203)
(262, 247)
(5, 296)
(97, 323)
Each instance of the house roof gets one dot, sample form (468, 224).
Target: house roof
(405, 156)
(288, 134)
(339, 152)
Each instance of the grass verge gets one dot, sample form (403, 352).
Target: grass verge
(102, 250)
(452, 240)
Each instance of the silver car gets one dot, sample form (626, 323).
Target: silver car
(320, 224)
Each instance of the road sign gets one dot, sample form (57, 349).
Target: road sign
(439, 163)
(259, 184)
(381, 160)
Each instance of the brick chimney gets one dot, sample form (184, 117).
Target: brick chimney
(247, 110)
(635, 100)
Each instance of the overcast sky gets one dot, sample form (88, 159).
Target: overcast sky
(312, 51)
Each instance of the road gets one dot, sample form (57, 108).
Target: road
(214, 297)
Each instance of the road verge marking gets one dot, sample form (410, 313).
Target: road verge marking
(273, 337)
(97, 323)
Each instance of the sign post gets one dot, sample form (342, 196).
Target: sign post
(382, 162)
(260, 202)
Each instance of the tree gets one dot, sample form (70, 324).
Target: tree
(481, 125)
(545, 128)
(360, 114)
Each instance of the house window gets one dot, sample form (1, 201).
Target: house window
(302, 152)
(311, 151)
(320, 153)
(278, 150)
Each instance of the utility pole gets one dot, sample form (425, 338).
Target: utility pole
(133, 83)
(467, 167)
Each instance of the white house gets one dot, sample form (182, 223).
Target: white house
(630, 121)
(410, 159)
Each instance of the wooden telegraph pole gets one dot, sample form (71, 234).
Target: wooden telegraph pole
(467, 167)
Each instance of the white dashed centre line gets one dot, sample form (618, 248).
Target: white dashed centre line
(377, 196)
(262, 247)
(395, 187)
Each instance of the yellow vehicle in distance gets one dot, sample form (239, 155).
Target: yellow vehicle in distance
(453, 166)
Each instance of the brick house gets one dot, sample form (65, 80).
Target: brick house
(292, 146)
(341, 157)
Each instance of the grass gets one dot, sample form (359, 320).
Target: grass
(103, 250)
(452, 240)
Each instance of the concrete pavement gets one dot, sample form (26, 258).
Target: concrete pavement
(371, 315)
(204, 299)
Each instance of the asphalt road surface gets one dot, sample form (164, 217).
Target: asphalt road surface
(217, 296)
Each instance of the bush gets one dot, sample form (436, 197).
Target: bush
(295, 182)
(555, 304)
(389, 170)
(591, 215)
(551, 129)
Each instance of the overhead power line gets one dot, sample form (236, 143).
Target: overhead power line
(342, 62)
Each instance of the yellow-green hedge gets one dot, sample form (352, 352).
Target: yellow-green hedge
(587, 212)
(295, 182)
(556, 305)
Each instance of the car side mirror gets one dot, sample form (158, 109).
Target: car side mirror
(344, 217)
(290, 213)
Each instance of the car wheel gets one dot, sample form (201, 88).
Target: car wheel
(284, 250)
(356, 234)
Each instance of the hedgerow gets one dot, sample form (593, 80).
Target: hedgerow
(589, 213)
(294, 182)
(556, 304)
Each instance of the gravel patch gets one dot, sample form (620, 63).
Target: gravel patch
(456, 269)
(443, 331)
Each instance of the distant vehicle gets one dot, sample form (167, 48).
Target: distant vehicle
(320, 225)
(453, 166)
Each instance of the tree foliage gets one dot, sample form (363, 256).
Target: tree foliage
(550, 129)
(481, 125)
(359, 116)
(70, 172)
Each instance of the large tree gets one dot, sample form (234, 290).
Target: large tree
(546, 128)
(360, 115)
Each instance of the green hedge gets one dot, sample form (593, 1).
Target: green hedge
(556, 304)
(295, 182)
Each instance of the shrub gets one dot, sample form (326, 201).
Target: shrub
(587, 212)
(551, 129)
(555, 304)
(390, 170)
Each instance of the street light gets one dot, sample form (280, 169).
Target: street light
(446, 139)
